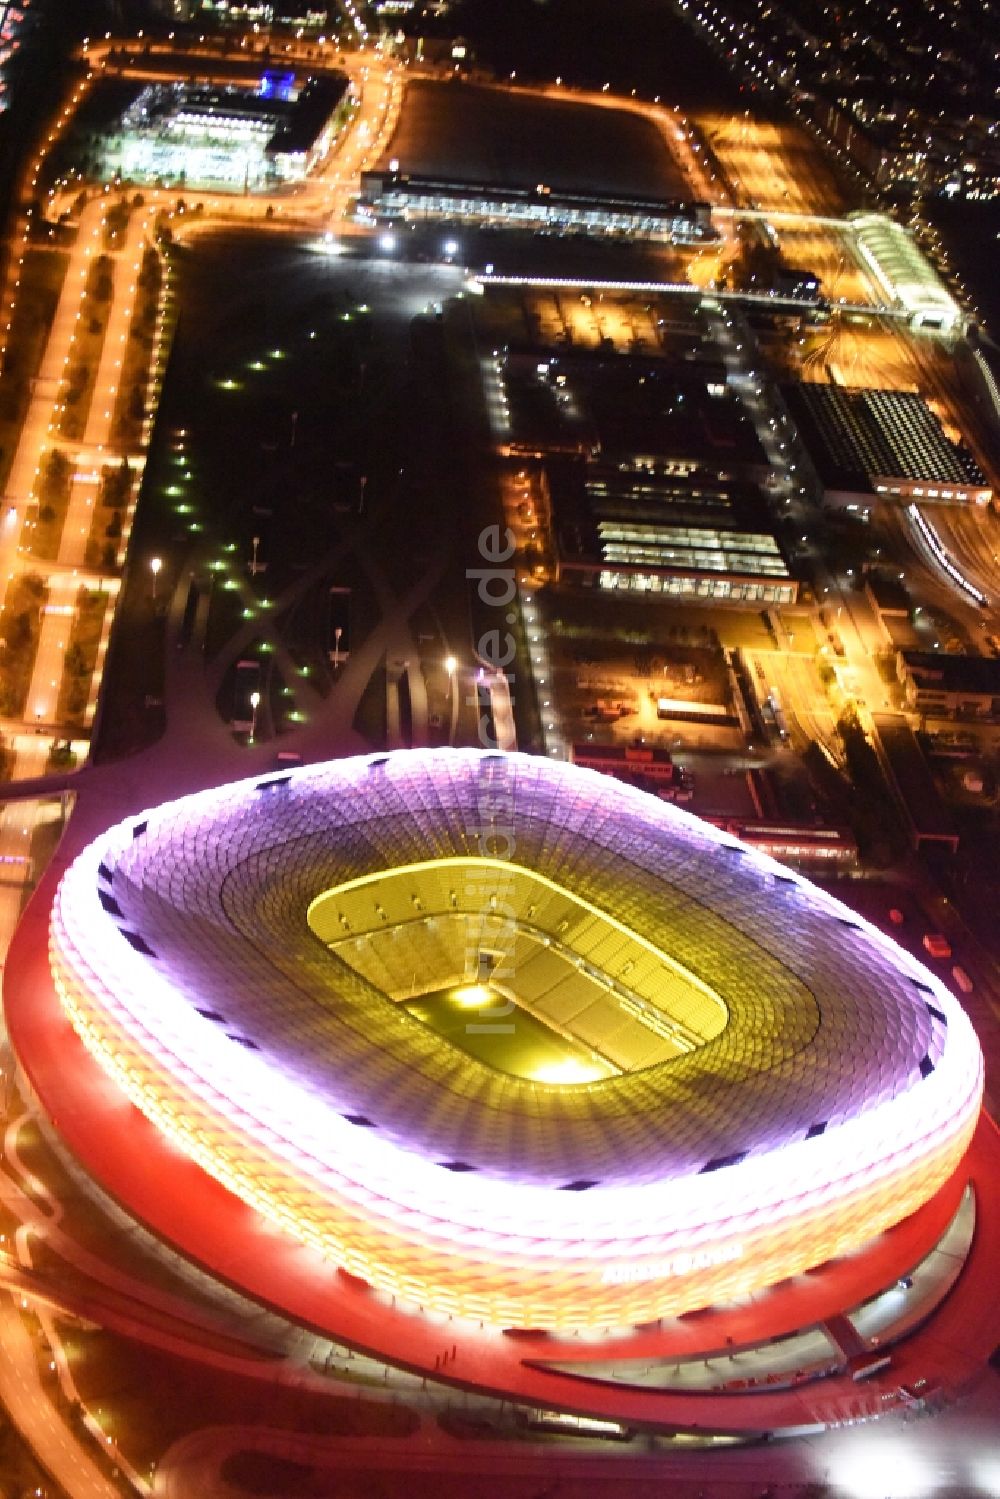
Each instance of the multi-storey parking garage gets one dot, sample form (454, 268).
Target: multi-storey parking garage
(749, 1080)
(519, 159)
(396, 195)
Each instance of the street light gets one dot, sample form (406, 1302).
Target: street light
(451, 667)
(155, 564)
(254, 705)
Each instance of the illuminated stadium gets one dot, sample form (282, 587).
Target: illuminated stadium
(502, 1042)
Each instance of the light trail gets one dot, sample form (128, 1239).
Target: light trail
(932, 541)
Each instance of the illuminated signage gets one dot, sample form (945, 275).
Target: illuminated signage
(678, 1264)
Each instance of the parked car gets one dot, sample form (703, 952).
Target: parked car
(937, 945)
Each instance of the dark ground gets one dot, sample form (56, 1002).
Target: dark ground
(294, 376)
(631, 44)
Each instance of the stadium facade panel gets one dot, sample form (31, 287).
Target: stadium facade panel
(838, 1097)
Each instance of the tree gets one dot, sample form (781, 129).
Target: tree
(101, 284)
(116, 484)
(149, 270)
(76, 661)
(55, 474)
(21, 632)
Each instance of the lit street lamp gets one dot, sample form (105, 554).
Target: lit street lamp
(451, 667)
(254, 705)
(155, 564)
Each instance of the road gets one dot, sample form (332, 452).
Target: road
(69, 573)
(956, 1454)
(40, 420)
(64, 587)
(23, 1395)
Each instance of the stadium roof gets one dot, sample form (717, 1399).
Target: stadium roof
(842, 1085)
(217, 889)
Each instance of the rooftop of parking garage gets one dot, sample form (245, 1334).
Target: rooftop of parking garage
(638, 409)
(513, 138)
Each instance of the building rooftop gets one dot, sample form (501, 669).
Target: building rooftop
(890, 596)
(627, 406)
(312, 108)
(977, 675)
(925, 813)
(507, 138)
(634, 516)
(857, 437)
(903, 271)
